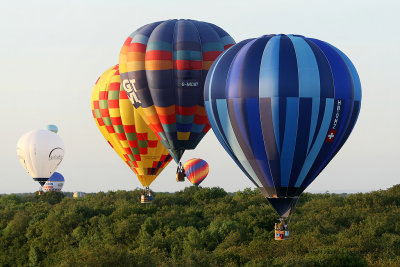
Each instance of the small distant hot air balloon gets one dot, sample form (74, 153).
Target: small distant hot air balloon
(79, 195)
(55, 183)
(282, 106)
(126, 132)
(40, 152)
(163, 66)
(196, 170)
(52, 128)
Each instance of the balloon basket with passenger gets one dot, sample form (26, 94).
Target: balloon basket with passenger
(180, 173)
(284, 207)
(42, 182)
(281, 230)
(146, 197)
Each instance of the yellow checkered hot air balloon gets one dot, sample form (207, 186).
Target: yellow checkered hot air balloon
(126, 132)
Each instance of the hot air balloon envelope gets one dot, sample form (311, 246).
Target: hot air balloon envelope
(282, 106)
(125, 130)
(54, 183)
(196, 170)
(79, 195)
(163, 66)
(40, 152)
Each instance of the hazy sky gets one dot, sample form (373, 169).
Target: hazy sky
(52, 52)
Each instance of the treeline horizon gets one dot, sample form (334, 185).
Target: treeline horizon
(198, 227)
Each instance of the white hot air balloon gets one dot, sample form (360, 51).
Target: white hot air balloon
(40, 152)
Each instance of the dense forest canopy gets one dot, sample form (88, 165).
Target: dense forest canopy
(198, 227)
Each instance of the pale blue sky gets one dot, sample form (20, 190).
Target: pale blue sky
(52, 52)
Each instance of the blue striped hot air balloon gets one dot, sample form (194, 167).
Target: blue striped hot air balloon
(282, 106)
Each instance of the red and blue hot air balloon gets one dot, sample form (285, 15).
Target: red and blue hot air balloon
(196, 170)
(163, 66)
(282, 106)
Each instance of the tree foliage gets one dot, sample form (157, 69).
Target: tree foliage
(198, 227)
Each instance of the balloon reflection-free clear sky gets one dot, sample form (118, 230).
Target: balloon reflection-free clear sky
(52, 52)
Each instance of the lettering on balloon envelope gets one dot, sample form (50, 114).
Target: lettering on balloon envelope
(189, 83)
(330, 137)
(130, 89)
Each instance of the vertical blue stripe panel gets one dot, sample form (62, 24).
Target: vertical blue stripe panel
(248, 82)
(234, 106)
(275, 120)
(329, 148)
(207, 88)
(208, 105)
(318, 142)
(314, 119)
(231, 138)
(344, 91)
(269, 139)
(288, 74)
(211, 115)
(217, 81)
(237, 121)
(243, 116)
(324, 69)
(282, 119)
(353, 73)
(302, 137)
(289, 139)
(243, 106)
(321, 112)
(220, 69)
(269, 80)
(339, 70)
(309, 83)
(325, 159)
(236, 69)
(257, 142)
(309, 80)
(222, 139)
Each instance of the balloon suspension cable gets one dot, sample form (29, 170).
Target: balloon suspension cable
(282, 220)
(289, 218)
(292, 206)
